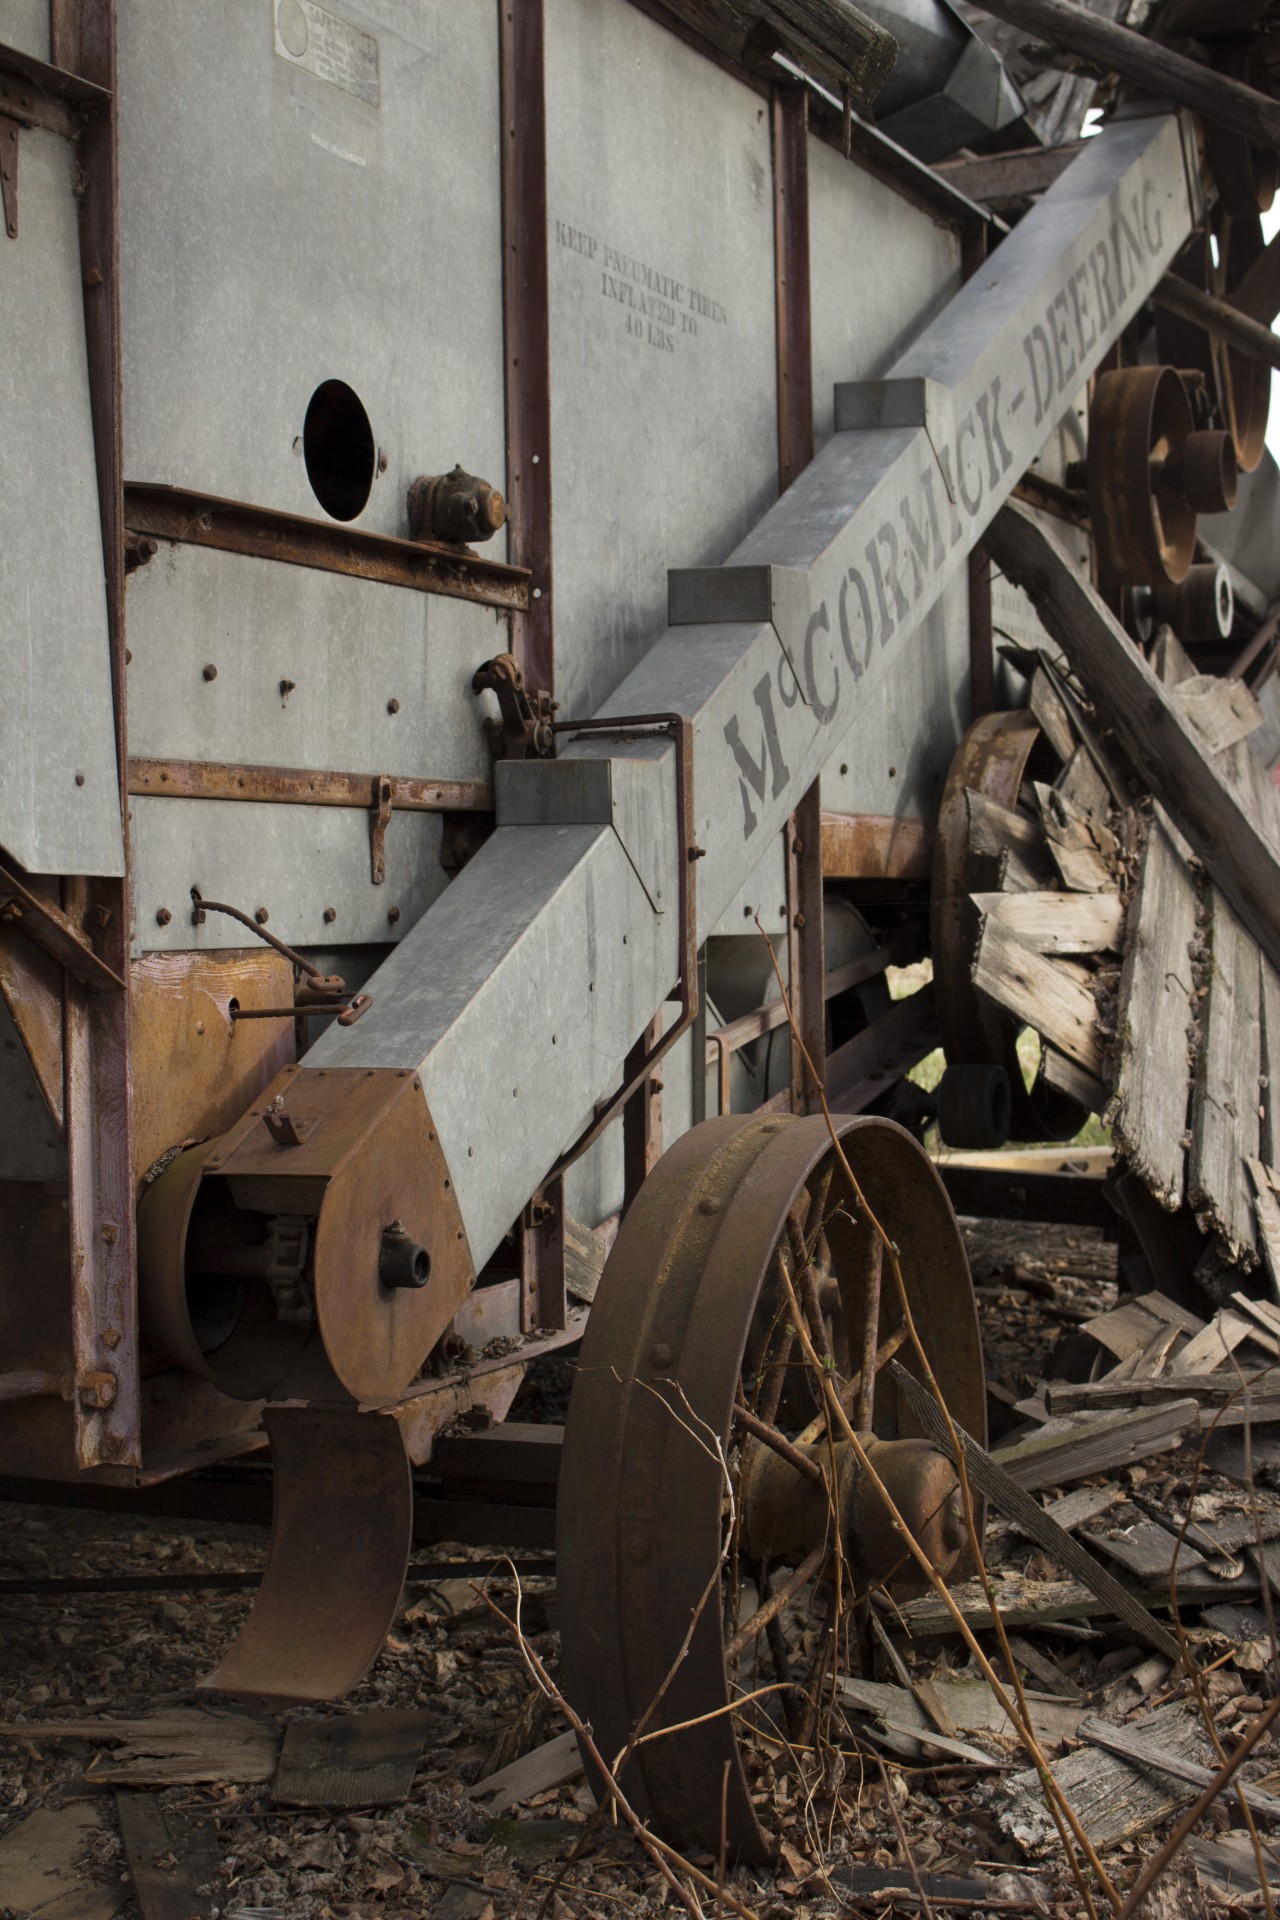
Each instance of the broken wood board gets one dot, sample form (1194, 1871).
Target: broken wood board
(1064, 1076)
(1000, 835)
(1085, 1503)
(1125, 1330)
(1224, 1107)
(351, 1760)
(1112, 1799)
(1210, 1391)
(38, 1870)
(1067, 1449)
(1148, 1552)
(1015, 1504)
(585, 1253)
(176, 1747)
(1266, 1218)
(1057, 922)
(1221, 711)
(900, 1713)
(1154, 1017)
(546, 1766)
(1213, 1344)
(1039, 993)
(172, 1856)
(1082, 784)
(1082, 847)
(1269, 1075)
(1160, 741)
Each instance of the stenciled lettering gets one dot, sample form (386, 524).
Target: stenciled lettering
(752, 773)
(822, 709)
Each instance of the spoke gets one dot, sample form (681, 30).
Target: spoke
(816, 1217)
(769, 1393)
(808, 1292)
(848, 1394)
(777, 1601)
(770, 1437)
(870, 1336)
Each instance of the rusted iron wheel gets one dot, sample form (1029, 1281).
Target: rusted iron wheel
(1237, 385)
(675, 1517)
(1143, 524)
(992, 761)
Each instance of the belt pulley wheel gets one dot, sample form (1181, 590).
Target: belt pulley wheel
(991, 760)
(1143, 524)
(1239, 385)
(659, 1523)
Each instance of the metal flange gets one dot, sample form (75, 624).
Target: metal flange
(1143, 525)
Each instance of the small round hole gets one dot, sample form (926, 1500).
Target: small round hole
(337, 444)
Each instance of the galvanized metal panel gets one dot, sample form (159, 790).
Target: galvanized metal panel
(269, 214)
(24, 26)
(542, 918)
(903, 732)
(294, 861)
(880, 268)
(663, 410)
(350, 647)
(59, 811)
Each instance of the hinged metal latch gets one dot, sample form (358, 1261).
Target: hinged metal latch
(379, 821)
(9, 130)
(525, 730)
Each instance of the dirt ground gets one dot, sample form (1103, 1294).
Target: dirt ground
(67, 1657)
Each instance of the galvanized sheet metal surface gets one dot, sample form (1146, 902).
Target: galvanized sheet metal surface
(294, 861)
(664, 428)
(350, 647)
(269, 213)
(542, 918)
(879, 270)
(24, 25)
(30, 1145)
(59, 811)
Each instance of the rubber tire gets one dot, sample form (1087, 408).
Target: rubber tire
(975, 1106)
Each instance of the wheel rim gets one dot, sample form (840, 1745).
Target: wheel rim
(641, 1501)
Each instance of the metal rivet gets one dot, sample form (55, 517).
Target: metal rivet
(393, 914)
(79, 779)
(330, 915)
(261, 916)
(393, 706)
(660, 1355)
(163, 916)
(211, 672)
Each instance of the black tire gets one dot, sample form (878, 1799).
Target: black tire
(975, 1106)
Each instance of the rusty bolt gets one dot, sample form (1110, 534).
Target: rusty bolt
(844, 766)
(163, 916)
(211, 672)
(93, 276)
(797, 846)
(79, 779)
(96, 1390)
(798, 921)
(393, 706)
(111, 1337)
(393, 914)
(261, 916)
(110, 1232)
(330, 915)
(382, 461)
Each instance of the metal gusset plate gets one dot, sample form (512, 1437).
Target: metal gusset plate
(658, 1523)
(340, 1538)
(991, 760)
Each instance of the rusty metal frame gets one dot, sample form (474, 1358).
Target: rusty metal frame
(235, 526)
(96, 1025)
(301, 787)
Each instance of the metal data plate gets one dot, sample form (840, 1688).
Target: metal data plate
(59, 811)
(903, 733)
(350, 648)
(24, 26)
(879, 269)
(294, 861)
(279, 230)
(663, 380)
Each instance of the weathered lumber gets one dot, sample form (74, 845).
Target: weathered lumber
(1065, 1076)
(1215, 1393)
(1146, 64)
(1064, 1450)
(1016, 1504)
(1266, 1220)
(1213, 1344)
(1056, 922)
(1161, 743)
(365, 1759)
(1224, 1105)
(1082, 846)
(1112, 1799)
(995, 831)
(831, 39)
(171, 1855)
(1156, 1012)
(1049, 710)
(1222, 318)
(1152, 1756)
(996, 178)
(1082, 784)
(1221, 711)
(1040, 993)
(1149, 1553)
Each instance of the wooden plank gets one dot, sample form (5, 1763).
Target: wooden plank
(546, 1766)
(1148, 1552)
(363, 1759)
(1055, 721)
(1065, 1076)
(1112, 1799)
(1208, 1349)
(1124, 1330)
(1008, 177)
(1065, 1450)
(995, 830)
(39, 1873)
(1221, 711)
(171, 1856)
(1004, 1492)
(1210, 1390)
(1269, 1077)
(1263, 1331)
(1169, 1310)
(1057, 922)
(875, 846)
(1085, 1503)
(1161, 743)
(1266, 1220)
(1040, 993)
(1082, 784)
(1170, 661)
(1082, 848)
(1153, 1757)
(1153, 1081)
(1224, 1106)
